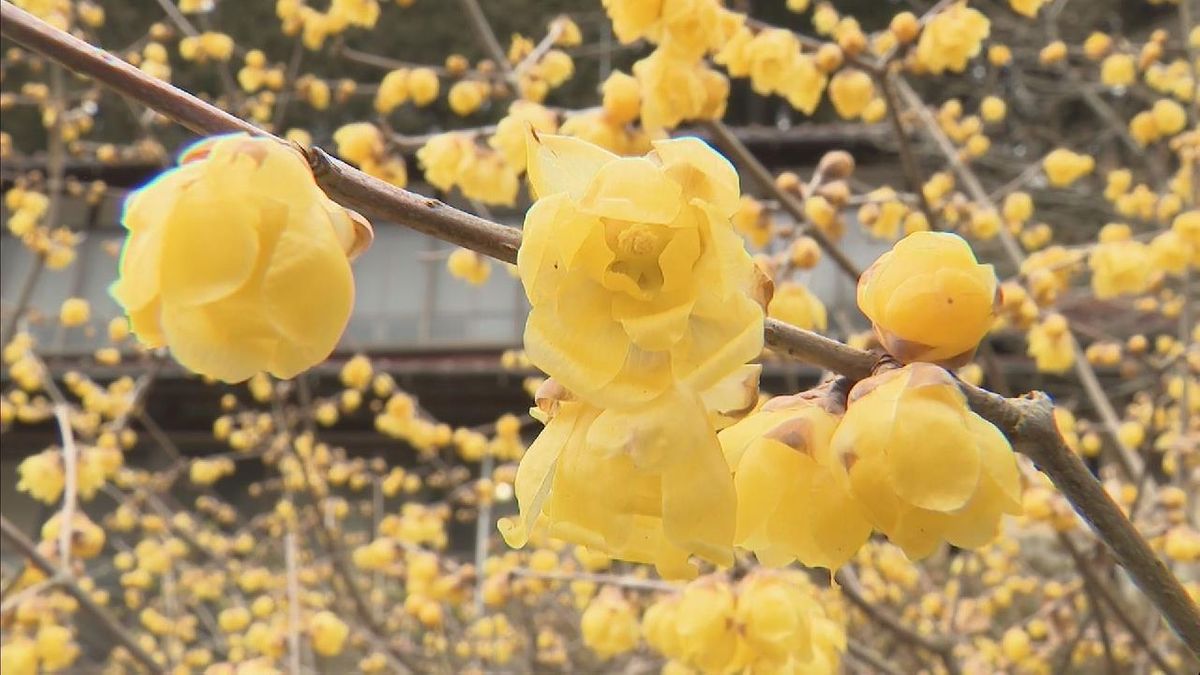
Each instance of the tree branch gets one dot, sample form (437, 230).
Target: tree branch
(745, 159)
(110, 624)
(1028, 421)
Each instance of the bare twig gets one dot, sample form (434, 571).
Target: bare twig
(293, 599)
(106, 620)
(1100, 591)
(66, 525)
(745, 159)
(483, 31)
(908, 161)
(943, 647)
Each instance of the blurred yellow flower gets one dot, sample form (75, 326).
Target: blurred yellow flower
(1051, 345)
(952, 37)
(793, 303)
(1064, 167)
(265, 287)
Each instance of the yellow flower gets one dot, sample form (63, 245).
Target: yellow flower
(929, 299)
(634, 273)
(18, 656)
(753, 222)
(87, 538)
(41, 476)
(769, 58)
(993, 109)
(466, 96)
(804, 84)
(1118, 70)
(392, 92)
(1120, 267)
(509, 139)
(1051, 346)
(1064, 167)
(781, 457)
(622, 99)
(795, 304)
(265, 287)
(359, 143)
(362, 13)
(1169, 117)
(469, 266)
(784, 626)
(951, 38)
(56, 647)
(625, 482)
(443, 157)
(609, 625)
(1028, 8)
(555, 68)
(423, 85)
(633, 19)
(924, 466)
(328, 633)
(74, 312)
(674, 90)
(850, 91)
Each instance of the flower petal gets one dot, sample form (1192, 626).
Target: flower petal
(563, 164)
(205, 258)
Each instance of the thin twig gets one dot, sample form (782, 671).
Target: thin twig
(66, 525)
(106, 620)
(745, 159)
(1099, 590)
(943, 647)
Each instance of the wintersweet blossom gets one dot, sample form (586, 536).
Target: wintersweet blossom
(929, 299)
(925, 467)
(265, 287)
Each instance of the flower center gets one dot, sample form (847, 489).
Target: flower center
(637, 241)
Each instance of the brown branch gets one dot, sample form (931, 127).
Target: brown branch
(110, 624)
(908, 162)
(943, 647)
(1028, 421)
(483, 31)
(745, 159)
(1097, 588)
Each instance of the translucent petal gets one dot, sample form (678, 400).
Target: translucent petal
(932, 459)
(227, 341)
(699, 503)
(140, 265)
(536, 472)
(704, 172)
(632, 189)
(762, 478)
(999, 462)
(713, 347)
(563, 164)
(307, 292)
(656, 325)
(576, 340)
(205, 258)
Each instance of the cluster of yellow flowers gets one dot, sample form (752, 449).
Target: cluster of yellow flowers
(315, 26)
(769, 622)
(27, 211)
(645, 358)
(363, 144)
